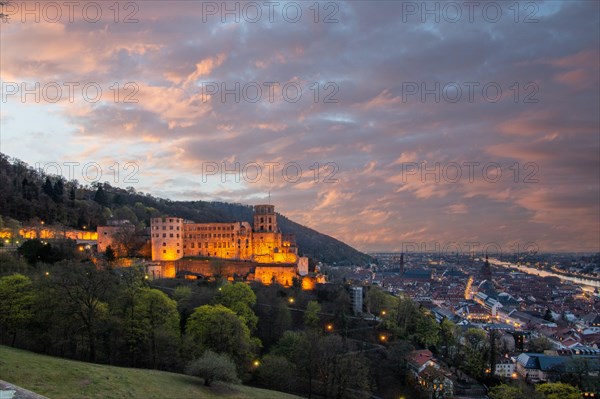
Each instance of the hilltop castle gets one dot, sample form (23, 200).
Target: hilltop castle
(261, 250)
(174, 238)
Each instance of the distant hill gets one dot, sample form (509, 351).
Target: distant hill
(59, 378)
(27, 195)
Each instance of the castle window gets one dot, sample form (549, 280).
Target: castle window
(164, 227)
(170, 220)
(164, 251)
(164, 235)
(177, 251)
(164, 244)
(262, 220)
(192, 245)
(170, 227)
(270, 229)
(177, 235)
(270, 220)
(171, 235)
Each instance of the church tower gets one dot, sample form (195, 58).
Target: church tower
(402, 263)
(265, 220)
(486, 271)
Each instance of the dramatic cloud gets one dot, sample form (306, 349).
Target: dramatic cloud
(381, 123)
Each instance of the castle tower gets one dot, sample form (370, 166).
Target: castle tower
(265, 220)
(167, 238)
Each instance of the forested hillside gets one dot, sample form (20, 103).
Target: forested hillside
(27, 195)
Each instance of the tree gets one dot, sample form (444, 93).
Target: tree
(213, 367)
(548, 315)
(311, 316)
(493, 345)
(160, 314)
(377, 300)
(84, 289)
(276, 372)
(540, 344)
(100, 196)
(397, 355)
(339, 372)
(240, 298)
(476, 352)
(183, 296)
(47, 187)
(16, 301)
(426, 329)
(58, 190)
(559, 390)
(303, 350)
(219, 329)
(507, 392)
(448, 339)
(110, 254)
(578, 369)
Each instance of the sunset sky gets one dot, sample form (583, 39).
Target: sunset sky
(371, 125)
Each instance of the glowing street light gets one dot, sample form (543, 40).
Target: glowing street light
(291, 300)
(256, 363)
(329, 327)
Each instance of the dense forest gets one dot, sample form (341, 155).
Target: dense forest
(28, 195)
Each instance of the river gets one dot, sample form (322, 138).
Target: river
(587, 284)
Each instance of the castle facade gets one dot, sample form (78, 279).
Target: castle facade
(175, 238)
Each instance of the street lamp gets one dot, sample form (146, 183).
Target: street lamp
(329, 327)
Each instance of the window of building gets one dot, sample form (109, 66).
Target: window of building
(164, 251)
(171, 235)
(164, 244)
(170, 220)
(164, 235)
(177, 251)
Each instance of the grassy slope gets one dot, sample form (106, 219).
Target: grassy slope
(59, 378)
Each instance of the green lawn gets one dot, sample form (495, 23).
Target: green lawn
(59, 378)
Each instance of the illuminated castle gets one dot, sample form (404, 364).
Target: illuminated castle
(175, 238)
